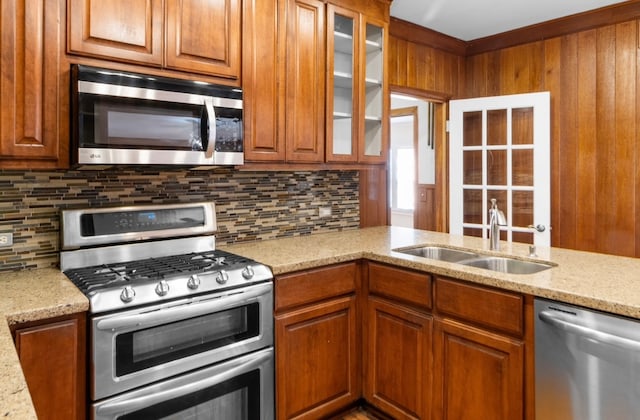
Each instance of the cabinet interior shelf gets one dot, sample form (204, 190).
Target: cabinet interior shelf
(342, 80)
(372, 118)
(343, 42)
(341, 115)
(373, 46)
(372, 82)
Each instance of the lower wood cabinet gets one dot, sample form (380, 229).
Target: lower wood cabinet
(399, 364)
(317, 342)
(477, 374)
(53, 356)
(432, 347)
(479, 352)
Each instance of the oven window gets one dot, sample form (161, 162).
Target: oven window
(123, 123)
(149, 347)
(236, 399)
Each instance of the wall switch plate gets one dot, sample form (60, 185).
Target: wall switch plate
(324, 212)
(6, 239)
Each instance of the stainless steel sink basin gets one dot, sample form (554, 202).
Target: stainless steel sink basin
(506, 265)
(478, 260)
(439, 253)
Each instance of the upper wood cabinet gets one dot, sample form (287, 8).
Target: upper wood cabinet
(186, 35)
(357, 94)
(329, 80)
(34, 111)
(304, 81)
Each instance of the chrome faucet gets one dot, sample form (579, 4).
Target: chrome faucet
(496, 219)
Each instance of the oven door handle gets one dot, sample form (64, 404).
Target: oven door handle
(109, 409)
(188, 310)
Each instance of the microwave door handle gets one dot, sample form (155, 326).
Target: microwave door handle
(189, 310)
(599, 336)
(211, 121)
(144, 401)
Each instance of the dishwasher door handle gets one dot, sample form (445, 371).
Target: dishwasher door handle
(600, 336)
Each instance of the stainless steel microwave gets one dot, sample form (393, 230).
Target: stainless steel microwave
(135, 119)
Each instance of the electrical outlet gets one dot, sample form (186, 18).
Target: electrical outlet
(324, 212)
(6, 239)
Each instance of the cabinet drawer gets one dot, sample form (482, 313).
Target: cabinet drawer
(481, 305)
(313, 285)
(403, 285)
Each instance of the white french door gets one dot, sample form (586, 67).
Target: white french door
(499, 147)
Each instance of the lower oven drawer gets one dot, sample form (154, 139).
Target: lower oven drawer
(135, 348)
(240, 388)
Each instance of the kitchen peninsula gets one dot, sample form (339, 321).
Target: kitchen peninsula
(596, 281)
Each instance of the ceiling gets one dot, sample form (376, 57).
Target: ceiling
(472, 19)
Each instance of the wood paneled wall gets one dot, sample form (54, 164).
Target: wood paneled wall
(593, 76)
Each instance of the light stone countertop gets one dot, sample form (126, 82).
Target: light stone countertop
(29, 295)
(597, 281)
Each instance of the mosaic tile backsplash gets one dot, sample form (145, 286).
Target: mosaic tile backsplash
(250, 206)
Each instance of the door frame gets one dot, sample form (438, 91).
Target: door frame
(441, 196)
(404, 112)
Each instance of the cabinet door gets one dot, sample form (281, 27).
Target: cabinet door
(398, 369)
(262, 69)
(374, 106)
(478, 374)
(343, 87)
(121, 30)
(317, 366)
(53, 361)
(204, 36)
(305, 81)
(34, 116)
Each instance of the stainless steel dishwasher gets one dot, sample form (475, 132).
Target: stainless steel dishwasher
(587, 364)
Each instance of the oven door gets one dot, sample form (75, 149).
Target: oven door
(238, 389)
(144, 345)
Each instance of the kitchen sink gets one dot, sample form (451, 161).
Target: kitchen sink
(506, 265)
(473, 259)
(439, 253)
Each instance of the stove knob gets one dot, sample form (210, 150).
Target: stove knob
(247, 272)
(127, 294)
(194, 282)
(222, 277)
(162, 288)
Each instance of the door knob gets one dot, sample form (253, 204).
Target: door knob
(539, 228)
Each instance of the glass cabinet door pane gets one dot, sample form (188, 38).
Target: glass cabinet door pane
(374, 100)
(344, 69)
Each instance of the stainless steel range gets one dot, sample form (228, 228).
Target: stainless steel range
(178, 328)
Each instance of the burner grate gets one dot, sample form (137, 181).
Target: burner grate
(151, 269)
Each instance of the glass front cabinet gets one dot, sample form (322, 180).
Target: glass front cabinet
(357, 98)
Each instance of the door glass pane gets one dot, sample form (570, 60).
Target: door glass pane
(472, 167)
(472, 232)
(522, 211)
(343, 71)
(497, 127)
(522, 167)
(497, 167)
(374, 99)
(472, 206)
(522, 125)
(472, 128)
